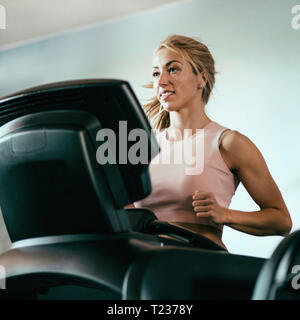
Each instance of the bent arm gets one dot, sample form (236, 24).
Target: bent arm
(265, 222)
(129, 206)
(247, 162)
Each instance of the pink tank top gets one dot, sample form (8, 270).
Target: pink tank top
(182, 167)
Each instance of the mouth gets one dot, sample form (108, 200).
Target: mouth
(166, 94)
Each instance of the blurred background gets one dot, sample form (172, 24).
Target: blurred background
(256, 46)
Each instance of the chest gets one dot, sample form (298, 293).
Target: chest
(176, 174)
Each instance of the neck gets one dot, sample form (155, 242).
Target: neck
(187, 119)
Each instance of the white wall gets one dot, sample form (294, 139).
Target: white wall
(257, 90)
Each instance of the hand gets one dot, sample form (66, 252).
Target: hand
(206, 206)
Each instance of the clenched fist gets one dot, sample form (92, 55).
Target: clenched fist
(206, 206)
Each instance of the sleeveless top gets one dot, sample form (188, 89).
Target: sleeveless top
(184, 166)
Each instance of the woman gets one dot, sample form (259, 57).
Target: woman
(183, 78)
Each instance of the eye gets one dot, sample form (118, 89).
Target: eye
(155, 74)
(172, 69)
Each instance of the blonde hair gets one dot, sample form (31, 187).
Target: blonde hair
(201, 60)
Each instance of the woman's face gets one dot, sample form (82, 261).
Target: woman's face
(175, 84)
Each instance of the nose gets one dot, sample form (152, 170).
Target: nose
(163, 79)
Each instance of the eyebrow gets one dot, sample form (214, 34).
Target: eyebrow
(167, 64)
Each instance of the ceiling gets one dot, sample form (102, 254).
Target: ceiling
(31, 20)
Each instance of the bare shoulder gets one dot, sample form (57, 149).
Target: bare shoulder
(237, 149)
(233, 139)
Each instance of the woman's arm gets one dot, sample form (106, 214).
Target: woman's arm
(129, 206)
(247, 162)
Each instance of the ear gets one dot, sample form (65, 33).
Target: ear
(202, 79)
